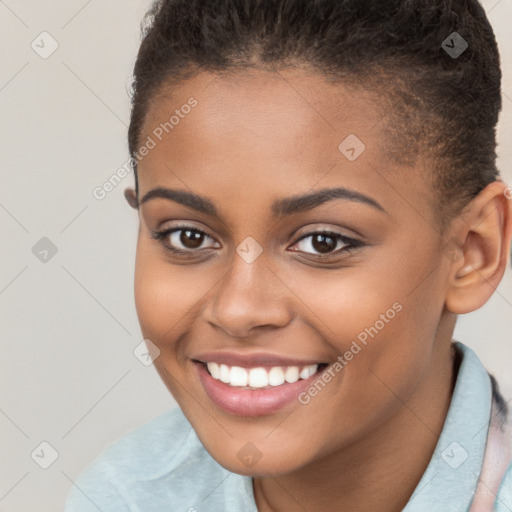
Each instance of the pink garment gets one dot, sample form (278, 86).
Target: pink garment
(497, 458)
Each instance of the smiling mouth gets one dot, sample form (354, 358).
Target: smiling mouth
(260, 377)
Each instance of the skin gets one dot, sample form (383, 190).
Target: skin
(366, 439)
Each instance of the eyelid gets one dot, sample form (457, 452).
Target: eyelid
(184, 225)
(331, 232)
(322, 228)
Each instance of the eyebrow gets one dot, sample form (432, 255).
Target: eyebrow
(280, 207)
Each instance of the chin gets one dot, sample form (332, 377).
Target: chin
(247, 461)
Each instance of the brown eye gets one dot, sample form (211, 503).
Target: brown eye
(326, 243)
(184, 239)
(323, 243)
(191, 238)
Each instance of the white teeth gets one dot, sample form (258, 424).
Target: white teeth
(259, 377)
(276, 376)
(224, 373)
(291, 374)
(238, 376)
(307, 371)
(214, 370)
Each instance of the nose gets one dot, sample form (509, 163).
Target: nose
(249, 297)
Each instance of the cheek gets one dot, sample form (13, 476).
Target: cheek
(162, 295)
(165, 294)
(383, 330)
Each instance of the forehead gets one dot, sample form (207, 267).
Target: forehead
(265, 134)
(288, 104)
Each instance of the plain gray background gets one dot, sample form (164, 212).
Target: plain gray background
(69, 327)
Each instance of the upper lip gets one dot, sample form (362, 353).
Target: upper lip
(252, 360)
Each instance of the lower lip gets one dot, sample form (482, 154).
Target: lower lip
(249, 402)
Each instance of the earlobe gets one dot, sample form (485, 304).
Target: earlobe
(131, 197)
(486, 228)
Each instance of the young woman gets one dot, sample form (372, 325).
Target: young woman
(318, 201)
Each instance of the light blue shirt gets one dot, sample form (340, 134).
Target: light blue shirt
(162, 466)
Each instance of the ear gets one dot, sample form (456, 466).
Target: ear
(131, 196)
(483, 233)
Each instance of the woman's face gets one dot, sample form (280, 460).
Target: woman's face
(257, 285)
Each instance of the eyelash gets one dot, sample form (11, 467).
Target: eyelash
(350, 243)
